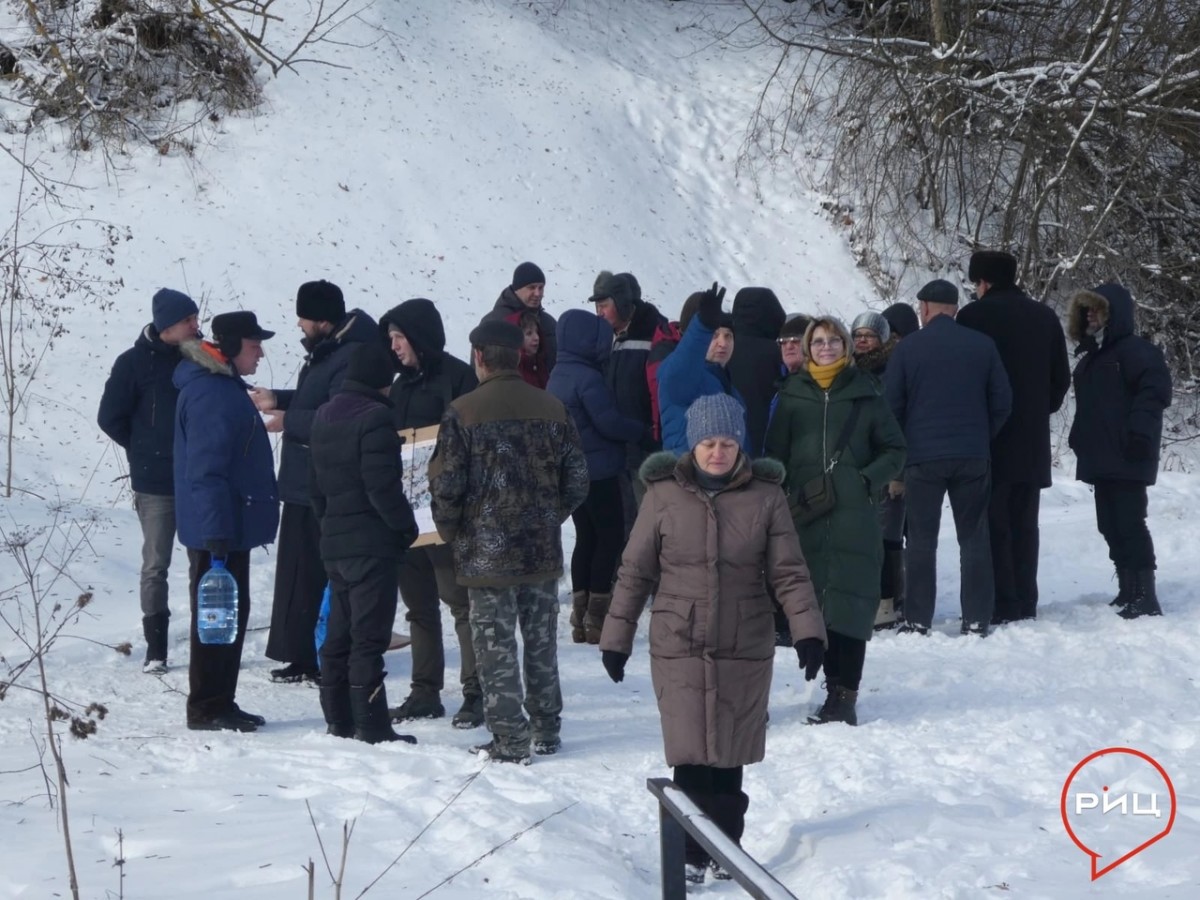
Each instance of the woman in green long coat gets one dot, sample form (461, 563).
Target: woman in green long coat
(844, 548)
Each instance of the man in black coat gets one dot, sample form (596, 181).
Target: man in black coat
(758, 317)
(429, 379)
(1122, 386)
(526, 291)
(619, 302)
(357, 493)
(137, 410)
(1034, 352)
(330, 338)
(947, 388)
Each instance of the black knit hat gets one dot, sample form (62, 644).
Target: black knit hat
(997, 268)
(320, 301)
(525, 274)
(902, 318)
(497, 333)
(939, 291)
(370, 364)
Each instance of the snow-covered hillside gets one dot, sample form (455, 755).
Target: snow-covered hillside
(448, 142)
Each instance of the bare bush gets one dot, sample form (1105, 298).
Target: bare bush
(1067, 132)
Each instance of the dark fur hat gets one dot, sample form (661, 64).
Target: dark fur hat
(997, 268)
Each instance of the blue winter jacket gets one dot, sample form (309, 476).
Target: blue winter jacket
(948, 390)
(137, 410)
(584, 345)
(686, 375)
(224, 469)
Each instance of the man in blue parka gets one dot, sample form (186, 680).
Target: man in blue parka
(226, 500)
(1122, 386)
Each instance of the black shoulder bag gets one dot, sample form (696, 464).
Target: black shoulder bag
(817, 497)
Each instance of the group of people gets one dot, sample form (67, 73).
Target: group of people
(760, 478)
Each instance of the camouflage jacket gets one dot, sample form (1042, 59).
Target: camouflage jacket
(507, 472)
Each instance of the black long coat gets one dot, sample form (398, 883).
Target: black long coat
(1122, 387)
(322, 374)
(1034, 352)
(356, 482)
(754, 367)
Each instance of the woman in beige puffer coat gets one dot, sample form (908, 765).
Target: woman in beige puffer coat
(712, 531)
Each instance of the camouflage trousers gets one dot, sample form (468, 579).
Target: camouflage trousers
(496, 613)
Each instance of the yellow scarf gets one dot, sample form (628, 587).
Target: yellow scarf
(824, 375)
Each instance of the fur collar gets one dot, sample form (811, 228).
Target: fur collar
(207, 357)
(662, 465)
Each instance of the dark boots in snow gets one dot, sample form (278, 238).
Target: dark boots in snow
(155, 628)
(1124, 589)
(838, 707)
(1143, 598)
(372, 721)
(579, 608)
(335, 704)
(597, 609)
(470, 714)
(419, 706)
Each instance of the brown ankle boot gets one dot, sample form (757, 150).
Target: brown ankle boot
(579, 608)
(597, 609)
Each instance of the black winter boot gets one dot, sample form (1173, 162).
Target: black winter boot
(1124, 589)
(579, 608)
(335, 704)
(1143, 599)
(155, 628)
(593, 622)
(838, 707)
(372, 722)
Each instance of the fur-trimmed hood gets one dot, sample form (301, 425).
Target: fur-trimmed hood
(207, 357)
(1112, 302)
(665, 464)
(875, 361)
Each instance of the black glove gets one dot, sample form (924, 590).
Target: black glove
(708, 311)
(614, 664)
(1139, 449)
(217, 549)
(812, 653)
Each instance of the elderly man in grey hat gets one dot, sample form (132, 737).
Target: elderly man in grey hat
(505, 530)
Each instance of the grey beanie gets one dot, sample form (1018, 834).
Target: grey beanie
(169, 307)
(875, 322)
(714, 415)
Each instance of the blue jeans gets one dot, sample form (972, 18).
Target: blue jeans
(156, 513)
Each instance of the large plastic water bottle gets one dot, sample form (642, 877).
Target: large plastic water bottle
(217, 606)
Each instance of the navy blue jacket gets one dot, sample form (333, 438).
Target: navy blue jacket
(1034, 352)
(947, 388)
(322, 374)
(137, 410)
(626, 376)
(584, 345)
(224, 468)
(1122, 386)
(686, 375)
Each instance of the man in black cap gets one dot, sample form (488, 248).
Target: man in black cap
(619, 302)
(947, 388)
(226, 501)
(1034, 352)
(428, 380)
(507, 472)
(330, 337)
(137, 410)
(357, 489)
(526, 291)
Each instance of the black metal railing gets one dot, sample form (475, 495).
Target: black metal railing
(678, 815)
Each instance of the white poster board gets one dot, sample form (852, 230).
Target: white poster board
(419, 444)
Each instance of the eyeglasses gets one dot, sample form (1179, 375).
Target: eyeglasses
(833, 343)
(783, 341)
(864, 335)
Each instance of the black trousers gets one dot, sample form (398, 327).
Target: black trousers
(718, 792)
(1121, 508)
(424, 575)
(1013, 529)
(844, 660)
(599, 537)
(213, 668)
(362, 610)
(299, 585)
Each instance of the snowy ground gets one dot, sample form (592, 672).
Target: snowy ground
(458, 140)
